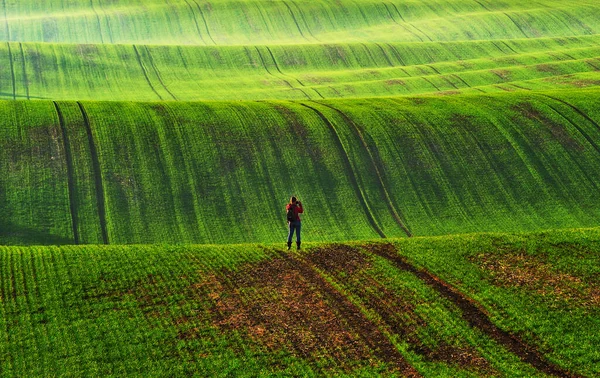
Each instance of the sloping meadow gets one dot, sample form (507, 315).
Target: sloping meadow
(459, 306)
(221, 172)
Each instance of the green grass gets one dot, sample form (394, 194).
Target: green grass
(346, 70)
(220, 172)
(164, 310)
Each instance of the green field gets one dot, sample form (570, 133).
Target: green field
(447, 153)
(354, 309)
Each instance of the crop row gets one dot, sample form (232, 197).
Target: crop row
(156, 73)
(449, 306)
(220, 172)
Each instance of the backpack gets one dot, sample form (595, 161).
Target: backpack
(291, 214)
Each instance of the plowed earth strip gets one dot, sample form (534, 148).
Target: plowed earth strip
(472, 313)
(367, 330)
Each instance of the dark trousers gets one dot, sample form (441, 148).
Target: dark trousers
(297, 225)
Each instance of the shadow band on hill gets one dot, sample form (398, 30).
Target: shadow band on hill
(16, 235)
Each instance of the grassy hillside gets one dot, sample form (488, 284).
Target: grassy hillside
(229, 22)
(220, 172)
(461, 306)
(169, 73)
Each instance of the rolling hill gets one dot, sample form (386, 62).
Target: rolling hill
(447, 153)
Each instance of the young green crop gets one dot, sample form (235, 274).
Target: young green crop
(165, 310)
(221, 172)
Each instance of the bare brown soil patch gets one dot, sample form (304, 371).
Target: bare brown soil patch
(504, 75)
(284, 304)
(532, 273)
(558, 131)
(548, 68)
(393, 82)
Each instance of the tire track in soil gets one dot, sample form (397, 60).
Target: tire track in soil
(349, 168)
(12, 71)
(397, 215)
(359, 323)
(25, 78)
(472, 312)
(399, 24)
(576, 109)
(98, 20)
(70, 175)
(158, 74)
(295, 21)
(205, 23)
(349, 267)
(195, 20)
(262, 60)
(100, 196)
(139, 59)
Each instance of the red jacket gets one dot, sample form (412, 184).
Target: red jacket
(297, 210)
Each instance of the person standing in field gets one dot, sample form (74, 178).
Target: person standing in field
(293, 209)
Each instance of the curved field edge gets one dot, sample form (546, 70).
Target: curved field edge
(331, 309)
(220, 172)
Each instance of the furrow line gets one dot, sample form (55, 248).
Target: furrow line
(472, 312)
(367, 329)
(398, 56)
(25, 78)
(517, 25)
(277, 66)
(295, 21)
(205, 23)
(387, 58)
(430, 82)
(6, 27)
(100, 196)
(462, 80)
(110, 34)
(348, 164)
(139, 59)
(401, 25)
(588, 118)
(98, 20)
(70, 174)
(433, 68)
(262, 59)
(482, 5)
(402, 18)
(195, 20)
(12, 71)
(510, 48)
(397, 217)
(158, 73)
(304, 20)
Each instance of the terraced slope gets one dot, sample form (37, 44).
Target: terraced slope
(220, 172)
(475, 307)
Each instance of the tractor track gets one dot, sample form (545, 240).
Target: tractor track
(397, 216)
(349, 168)
(472, 312)
(70, 174)
(205, 23)
(367, 330)
(12, 71)
(100, 196)
(160, 80)
(145, 72)
(25, 78)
